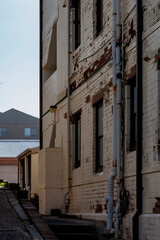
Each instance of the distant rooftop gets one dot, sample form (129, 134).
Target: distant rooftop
(16, 116)
(12, 148)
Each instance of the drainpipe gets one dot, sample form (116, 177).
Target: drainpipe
(139, 188)
(40, 73)
(118, 76)
(68, 191)
(112, 176)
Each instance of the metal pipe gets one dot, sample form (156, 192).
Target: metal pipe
(118, 76)
(68, 191)
(117, 220)
(40, 73)
(139, 188)
(109, 199)
(112, 176)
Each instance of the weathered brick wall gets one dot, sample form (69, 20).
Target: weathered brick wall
(149, 227)
(83, 97)
(91, 78)
(151, 46)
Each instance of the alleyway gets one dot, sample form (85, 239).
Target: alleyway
(14, 223)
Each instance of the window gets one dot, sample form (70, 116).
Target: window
(30, 132)
(99, 135)
(27, 132)
(77, 140)
(29, 170)
(51, 60)
(133, 113)
(23, 172)
(3, 132)
(99, 16)
(33, 132)
(76, 31)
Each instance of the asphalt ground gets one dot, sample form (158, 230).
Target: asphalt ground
(14, 223)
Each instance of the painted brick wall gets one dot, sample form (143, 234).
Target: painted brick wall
(91, 78)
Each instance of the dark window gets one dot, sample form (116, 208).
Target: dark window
(77, 140)
(3, 132)
(29, 170)
(99, 135)
(33, 132)
(30, 132)
(23, 170)
(133, 114)
(77, 23)
(99, 14)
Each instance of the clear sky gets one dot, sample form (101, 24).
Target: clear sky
(19, 56)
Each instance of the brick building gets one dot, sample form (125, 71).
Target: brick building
(99, 116)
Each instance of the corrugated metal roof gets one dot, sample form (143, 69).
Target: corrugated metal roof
(12, 148)
(28, 151)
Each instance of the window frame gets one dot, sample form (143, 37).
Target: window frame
(77, 162)
(99, 17)
(3, 132)
(31, 130)
(29, 170)
(76, 24)
(133, 113)
(98, 165)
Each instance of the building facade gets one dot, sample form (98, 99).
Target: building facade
(18, 131)
(100, 113)
(15, 124)
(28, 171)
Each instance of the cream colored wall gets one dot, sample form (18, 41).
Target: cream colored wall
(89, 189)
(50, 180)
(54, 89)
(9, 173)
(150, 162)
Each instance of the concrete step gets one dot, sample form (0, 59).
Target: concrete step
(72, 229)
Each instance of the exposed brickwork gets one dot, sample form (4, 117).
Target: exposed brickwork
(91, 79)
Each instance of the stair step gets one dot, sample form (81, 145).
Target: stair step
(75, 236)
(72, 229)
(68, 228)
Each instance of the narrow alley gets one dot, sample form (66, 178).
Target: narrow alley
(14, 222)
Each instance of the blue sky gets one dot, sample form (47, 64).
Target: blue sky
(19, 56)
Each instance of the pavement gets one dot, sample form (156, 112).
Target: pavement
(21, 220)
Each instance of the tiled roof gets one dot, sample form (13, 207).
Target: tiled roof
(12, 148)
(8, 161)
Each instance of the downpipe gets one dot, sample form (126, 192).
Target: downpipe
(109, 199)
(68, 113)
(117, 208)
(118, 76)
(113, 174)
